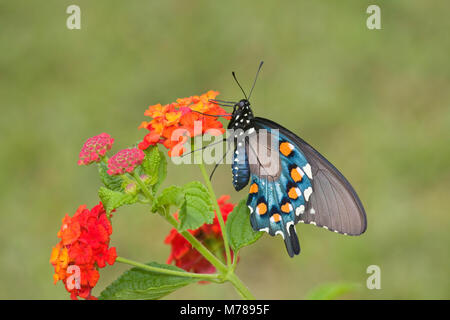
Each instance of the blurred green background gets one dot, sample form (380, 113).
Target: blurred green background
(375, 102)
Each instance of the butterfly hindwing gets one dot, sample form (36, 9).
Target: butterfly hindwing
(333, 203)
(279, 188)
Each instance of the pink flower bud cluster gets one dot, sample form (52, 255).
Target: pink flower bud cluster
(125, 161)
(95, 148)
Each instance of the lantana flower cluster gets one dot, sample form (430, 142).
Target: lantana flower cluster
(95, 148)
(125, 160)
(188, 258)
(84, 244)
(181, 114)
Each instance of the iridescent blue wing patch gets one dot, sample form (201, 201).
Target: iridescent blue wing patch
(279, 188)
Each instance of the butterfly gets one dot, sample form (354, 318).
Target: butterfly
(290, 181)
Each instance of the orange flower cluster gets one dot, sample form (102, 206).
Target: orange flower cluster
(83, 249)
(181, 114)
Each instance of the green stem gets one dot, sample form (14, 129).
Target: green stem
(189, 237)
(240, 287)
(199, 246)
(227, 271)
(167, 271)
(143, 187)
(218, 213)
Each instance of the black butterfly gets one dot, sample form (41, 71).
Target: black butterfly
(290, 181)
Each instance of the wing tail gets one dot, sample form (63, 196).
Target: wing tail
(291, 241)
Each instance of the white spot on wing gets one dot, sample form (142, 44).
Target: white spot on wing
(300, 210)
(280, 232)
(264, 229)
(290, 223)
(307, 169)
(251, 209)
(308, 192)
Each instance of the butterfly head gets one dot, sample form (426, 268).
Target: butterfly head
(242, 115)
(243, 103)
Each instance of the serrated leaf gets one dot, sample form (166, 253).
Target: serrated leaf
(139, 284)
(331, 291)
(196, 208)
(172, 195)
(240, 232)
(151, 164)
(111, 182)
(114, 199)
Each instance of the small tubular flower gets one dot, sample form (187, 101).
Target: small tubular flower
(125, 161)
(95, 148)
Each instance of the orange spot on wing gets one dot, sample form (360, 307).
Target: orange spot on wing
(285, 148)
(262, 208)
(286, 208)
(295, 175)
(253, 188)
(293, 193)
(276, 217)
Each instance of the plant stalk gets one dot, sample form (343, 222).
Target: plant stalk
(167, 271)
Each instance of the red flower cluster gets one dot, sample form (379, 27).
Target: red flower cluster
(83, 249)
(125, 161)
(181, 115)
(95, 148)
(188, 258)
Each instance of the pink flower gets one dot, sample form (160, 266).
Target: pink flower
(125, 161)
(95, 148)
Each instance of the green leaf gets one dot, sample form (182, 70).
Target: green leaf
(151, 164)
(172, 195)
(196, 208)
(111, 182)
(114, 199)
(331, 291)
(162, 171)
(145, 285)
(240, 232)
(155, 166)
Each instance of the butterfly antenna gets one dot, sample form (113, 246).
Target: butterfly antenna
(256, 77)
(234, 76)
